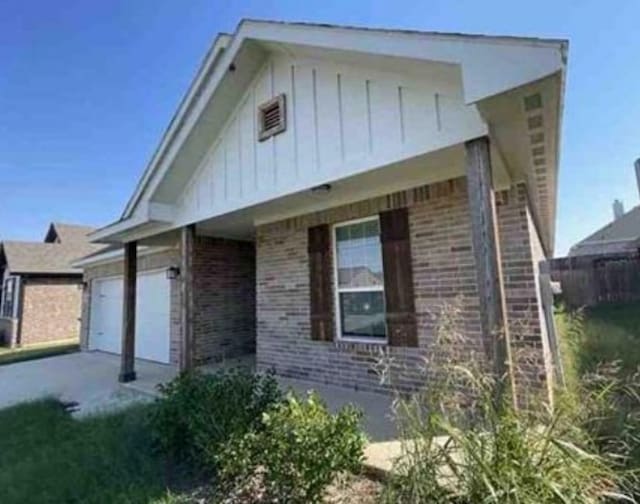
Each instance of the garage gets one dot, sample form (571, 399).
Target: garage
(152, 315)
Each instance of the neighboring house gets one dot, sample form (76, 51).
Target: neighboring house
(41, 292)
(620, 236)
(323, 192)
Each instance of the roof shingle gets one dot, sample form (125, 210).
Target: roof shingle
(67, 243)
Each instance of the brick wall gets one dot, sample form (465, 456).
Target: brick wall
(224, 298)
(50, 309)
(521, 252)
(538, 255)
(159, 260)
(444, 279)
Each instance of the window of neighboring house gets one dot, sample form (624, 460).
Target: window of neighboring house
(360, 311)
(8, 297)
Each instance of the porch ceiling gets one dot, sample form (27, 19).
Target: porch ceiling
(426, 169)
(422, 170)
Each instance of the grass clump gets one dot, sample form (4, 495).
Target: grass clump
(601, 355)
(41, 351)
(461, 445)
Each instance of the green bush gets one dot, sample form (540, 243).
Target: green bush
(199, 412)
(298, 451)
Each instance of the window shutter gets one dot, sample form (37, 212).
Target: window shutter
(398, 278)
(320, 275)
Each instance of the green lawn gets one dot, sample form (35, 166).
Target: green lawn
(48, 457)
(11, 355)
(605, 333)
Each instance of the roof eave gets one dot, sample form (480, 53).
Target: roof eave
(210, 73)
(215, 50)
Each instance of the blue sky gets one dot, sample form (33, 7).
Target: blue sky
(87, 88)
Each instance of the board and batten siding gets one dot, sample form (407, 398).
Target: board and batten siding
(341, 120)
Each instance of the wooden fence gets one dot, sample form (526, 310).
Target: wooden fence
(590, 280)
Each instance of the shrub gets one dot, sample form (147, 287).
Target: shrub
(298, 451)
(199, 412)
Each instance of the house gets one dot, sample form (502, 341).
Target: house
(323, 192)
(41, 293)
(620, 236)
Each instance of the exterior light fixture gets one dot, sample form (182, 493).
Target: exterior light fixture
(173, 272)
(321, 189)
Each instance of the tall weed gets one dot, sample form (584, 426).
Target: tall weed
(461, 445)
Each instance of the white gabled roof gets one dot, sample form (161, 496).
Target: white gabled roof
(490, 65)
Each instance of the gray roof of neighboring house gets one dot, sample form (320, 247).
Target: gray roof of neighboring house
(625, 229)
(64, 243)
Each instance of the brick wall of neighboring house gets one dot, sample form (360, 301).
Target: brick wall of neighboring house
(50, 309)
(148, 262)
(444, 281)
(224, 298)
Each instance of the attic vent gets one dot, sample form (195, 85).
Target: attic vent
(532, 102)
(272, 118)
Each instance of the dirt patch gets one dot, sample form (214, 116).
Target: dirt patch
(353, 490)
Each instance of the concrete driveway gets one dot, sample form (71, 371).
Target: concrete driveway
(88, 378)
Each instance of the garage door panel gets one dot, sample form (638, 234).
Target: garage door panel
(152, 316)
(106, 315)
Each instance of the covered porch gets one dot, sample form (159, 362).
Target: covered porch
(235, 300)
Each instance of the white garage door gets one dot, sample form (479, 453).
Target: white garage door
(152, 316)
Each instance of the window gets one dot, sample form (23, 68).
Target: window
(272, 118)
(8, 297)
(360, 311)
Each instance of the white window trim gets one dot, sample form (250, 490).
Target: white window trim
(337, 289)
